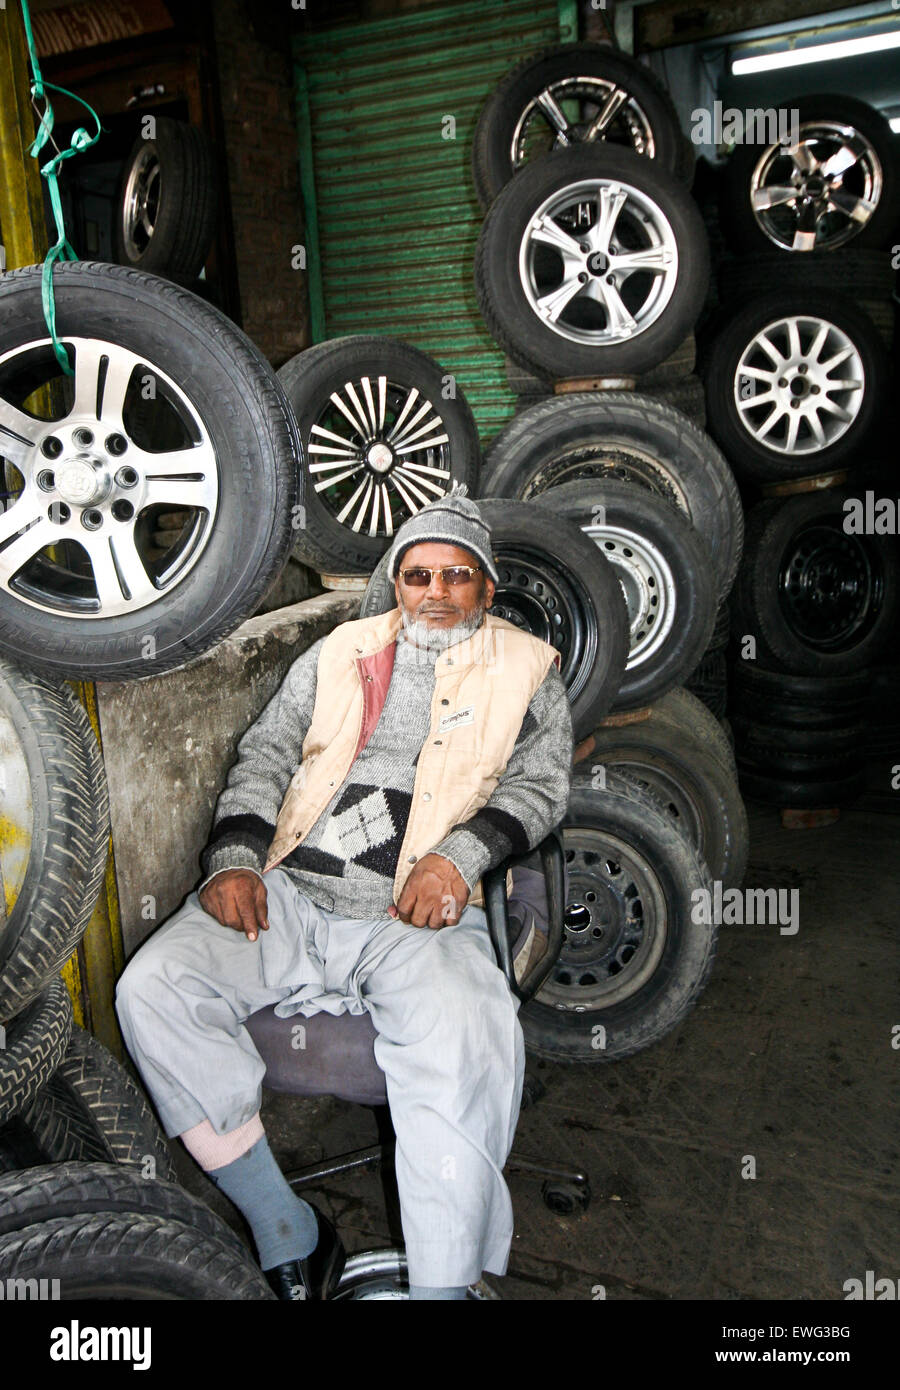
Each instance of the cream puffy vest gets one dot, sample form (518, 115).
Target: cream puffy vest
(482, 688)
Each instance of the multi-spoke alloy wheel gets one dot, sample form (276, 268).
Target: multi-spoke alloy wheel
(799, 384)
(570, 95)
(634, 957)
(86, 487)
(386, 431)
(169, 411)
(794, 387)
(831, 182)
(592, 261)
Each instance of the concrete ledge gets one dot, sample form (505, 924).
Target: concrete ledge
(169, 742)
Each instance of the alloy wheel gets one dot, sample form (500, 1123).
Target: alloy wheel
(598, 262)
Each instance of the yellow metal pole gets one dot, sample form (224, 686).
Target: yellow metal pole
(22, 208)
(91, 972)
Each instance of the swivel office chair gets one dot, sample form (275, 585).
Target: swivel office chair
(338, 1059)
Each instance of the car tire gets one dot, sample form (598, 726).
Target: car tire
(620, 435)
(167, 202)
(57, 815)
(621, 846)
(236, 478)
(666, 572)
(819, 601)
(131, 1256)
(646, 119)
(91, 1109)
(692, 781)
(339, 371)
(34, 1045)
(517, 263)
(55, 1190)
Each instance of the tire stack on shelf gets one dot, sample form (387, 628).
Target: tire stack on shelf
(798, 385)
(86, 593)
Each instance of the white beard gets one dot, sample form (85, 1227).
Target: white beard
(437, 639)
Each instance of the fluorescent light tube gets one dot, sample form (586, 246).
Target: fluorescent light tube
(817, 53)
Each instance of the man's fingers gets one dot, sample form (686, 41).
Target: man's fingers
(262, 905)
(249, 923)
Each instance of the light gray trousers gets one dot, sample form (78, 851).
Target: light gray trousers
(449, 1042)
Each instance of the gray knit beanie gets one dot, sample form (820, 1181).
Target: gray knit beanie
(452, 520)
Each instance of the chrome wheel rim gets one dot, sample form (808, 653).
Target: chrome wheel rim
(648, 585)
(379, 452)
(820, 193)
(84, 482)
(615, 924)
(579, 110)
(140, 204)
(799, 385)
(598, 262)
(383, 1275)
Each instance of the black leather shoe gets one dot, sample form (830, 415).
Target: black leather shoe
(316, 1276)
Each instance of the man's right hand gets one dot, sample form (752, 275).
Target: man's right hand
(237, 898)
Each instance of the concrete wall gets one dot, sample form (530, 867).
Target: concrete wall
(169, 741)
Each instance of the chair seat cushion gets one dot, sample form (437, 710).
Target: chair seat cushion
(336, 1057)
(333, 1055)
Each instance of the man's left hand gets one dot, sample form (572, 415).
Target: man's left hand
(434, 895)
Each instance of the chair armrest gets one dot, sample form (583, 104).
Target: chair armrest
(493, 883)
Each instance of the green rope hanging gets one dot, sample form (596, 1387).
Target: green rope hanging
(81, 140)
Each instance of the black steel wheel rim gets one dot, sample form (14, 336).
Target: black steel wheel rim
(615, 924)
(830, 586)
(541, 596)
(379, 451)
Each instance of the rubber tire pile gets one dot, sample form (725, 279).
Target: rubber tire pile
(87, 1191)
(798, 395)
(606, 509)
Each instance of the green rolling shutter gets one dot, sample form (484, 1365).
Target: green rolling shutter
(392, 218)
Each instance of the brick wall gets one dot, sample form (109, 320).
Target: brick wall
(256, 94)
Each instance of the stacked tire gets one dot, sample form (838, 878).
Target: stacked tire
(590, 270)
(798, 397)
(165, 403)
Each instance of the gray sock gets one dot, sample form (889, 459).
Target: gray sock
(419, 1292)
(284, 1226)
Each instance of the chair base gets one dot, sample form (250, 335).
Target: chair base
(564, 1189)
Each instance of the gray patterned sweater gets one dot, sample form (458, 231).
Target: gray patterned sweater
(348, 860)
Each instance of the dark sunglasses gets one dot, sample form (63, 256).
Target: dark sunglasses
(419, 577)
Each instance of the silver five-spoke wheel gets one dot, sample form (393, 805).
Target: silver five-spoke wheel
(598, 262)
(820, 192)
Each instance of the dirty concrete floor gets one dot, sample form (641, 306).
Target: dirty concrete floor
(787, 1059)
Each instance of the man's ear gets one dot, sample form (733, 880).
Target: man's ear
(488, 591)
